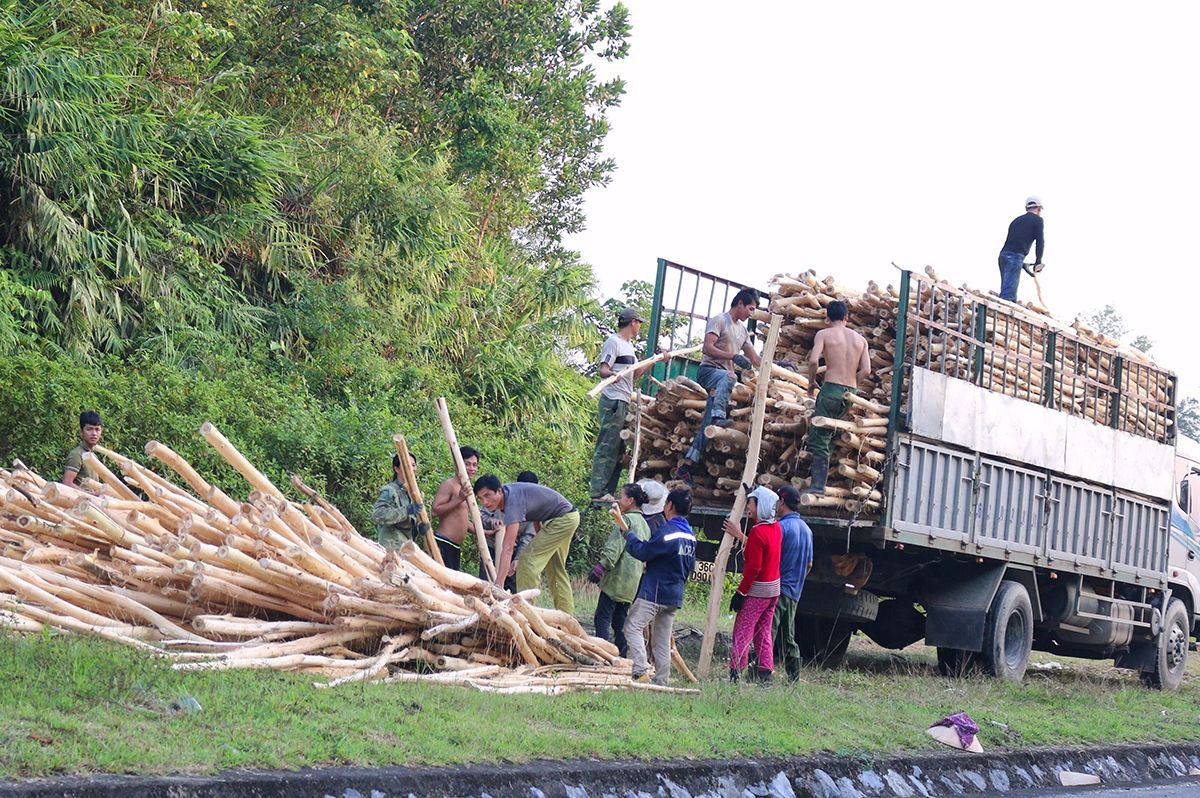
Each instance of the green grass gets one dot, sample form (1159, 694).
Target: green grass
(71, 705)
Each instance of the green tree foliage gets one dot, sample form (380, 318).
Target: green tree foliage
(302, 222)
(1187, 416)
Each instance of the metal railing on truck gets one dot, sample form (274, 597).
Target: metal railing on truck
(977, 474)
(684, 300)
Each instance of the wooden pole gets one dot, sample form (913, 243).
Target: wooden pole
(461, 469)
(650, 361)
(749, 477)
(414, 491)
(637, 436)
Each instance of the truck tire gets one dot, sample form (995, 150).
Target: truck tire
(822, 641)
(1171, 649)
(898, 624)
(832, 601)
(1008, 633)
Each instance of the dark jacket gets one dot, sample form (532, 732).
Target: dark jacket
(670, 557)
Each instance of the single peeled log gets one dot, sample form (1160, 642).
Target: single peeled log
(460, 469)
(749, 476)
(256, 478)
(414, 491)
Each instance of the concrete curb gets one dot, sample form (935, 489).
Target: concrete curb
(924, 774)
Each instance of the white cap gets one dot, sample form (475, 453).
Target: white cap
(656, 496)
(1033, 202)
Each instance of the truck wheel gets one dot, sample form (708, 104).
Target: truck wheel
(1008, 633)
(898, 625)
(822, 641)
(832, 601)
(1171, 649)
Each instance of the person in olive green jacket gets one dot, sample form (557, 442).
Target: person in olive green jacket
(618, 573)
(395, 513)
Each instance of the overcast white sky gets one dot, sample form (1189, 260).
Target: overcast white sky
(765, 137)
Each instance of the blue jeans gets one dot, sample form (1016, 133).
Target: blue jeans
(719, 384)
(610, 618)
(1010, 274)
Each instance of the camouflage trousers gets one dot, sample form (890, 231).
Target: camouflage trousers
(606, 460)
(831, 403)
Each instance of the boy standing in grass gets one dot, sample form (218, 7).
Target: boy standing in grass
(90, 429)
(670, 556)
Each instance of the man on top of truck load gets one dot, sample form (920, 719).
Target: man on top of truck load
(1022, 232)
(726, 344)
(847, 361)
(616, 357)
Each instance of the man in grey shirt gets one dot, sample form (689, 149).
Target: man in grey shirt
(555, 520)
(726, 344)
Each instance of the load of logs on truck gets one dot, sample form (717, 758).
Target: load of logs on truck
(1004, 483)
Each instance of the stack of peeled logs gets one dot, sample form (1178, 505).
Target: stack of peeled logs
(1012, 361)
(180, 569)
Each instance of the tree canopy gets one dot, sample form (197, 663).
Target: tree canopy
(317, 179)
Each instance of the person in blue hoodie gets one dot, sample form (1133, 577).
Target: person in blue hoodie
(670, 556)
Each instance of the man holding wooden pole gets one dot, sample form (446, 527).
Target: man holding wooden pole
(450, 508)
(555, 519)
(726, 344)
(847, 360)
(616, 357)
(395, 513)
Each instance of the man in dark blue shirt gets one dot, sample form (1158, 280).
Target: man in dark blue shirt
(795, 561)
(1022, 232)
(670, 557)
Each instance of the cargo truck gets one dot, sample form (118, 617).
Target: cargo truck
(1056, 513)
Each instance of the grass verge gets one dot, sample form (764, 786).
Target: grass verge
(71, 705)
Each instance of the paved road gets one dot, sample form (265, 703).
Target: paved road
(1186, 788)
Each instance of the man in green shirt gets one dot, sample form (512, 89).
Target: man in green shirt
(395, 513)
(90, 428)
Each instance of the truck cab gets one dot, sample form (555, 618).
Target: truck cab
(1184, 555)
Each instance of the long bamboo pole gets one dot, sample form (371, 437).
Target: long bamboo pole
(650, 361)
(749, 477)
(414, 490)
(460, 468)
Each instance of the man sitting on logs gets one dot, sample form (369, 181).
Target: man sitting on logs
(90, 429)
(450, 508)
(847, 360)
(726, 344)
(555, 520)
(395, 513)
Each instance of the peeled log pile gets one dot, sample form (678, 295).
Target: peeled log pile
(212, 583)
(1012, 357)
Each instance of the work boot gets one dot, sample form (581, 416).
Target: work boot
(764, 677)
(684, 475)
(820, 473)
(724, 423)
(735, 675)
(793, 671)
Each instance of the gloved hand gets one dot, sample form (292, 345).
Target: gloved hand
(736, 602)
(741, 361)
(1037, 267)
(597, 574)
(787, 364)
(414, 508)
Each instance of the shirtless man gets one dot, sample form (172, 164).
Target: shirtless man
(846, 362)
(451, 510)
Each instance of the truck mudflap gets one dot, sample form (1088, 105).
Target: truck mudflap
(956, 613)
